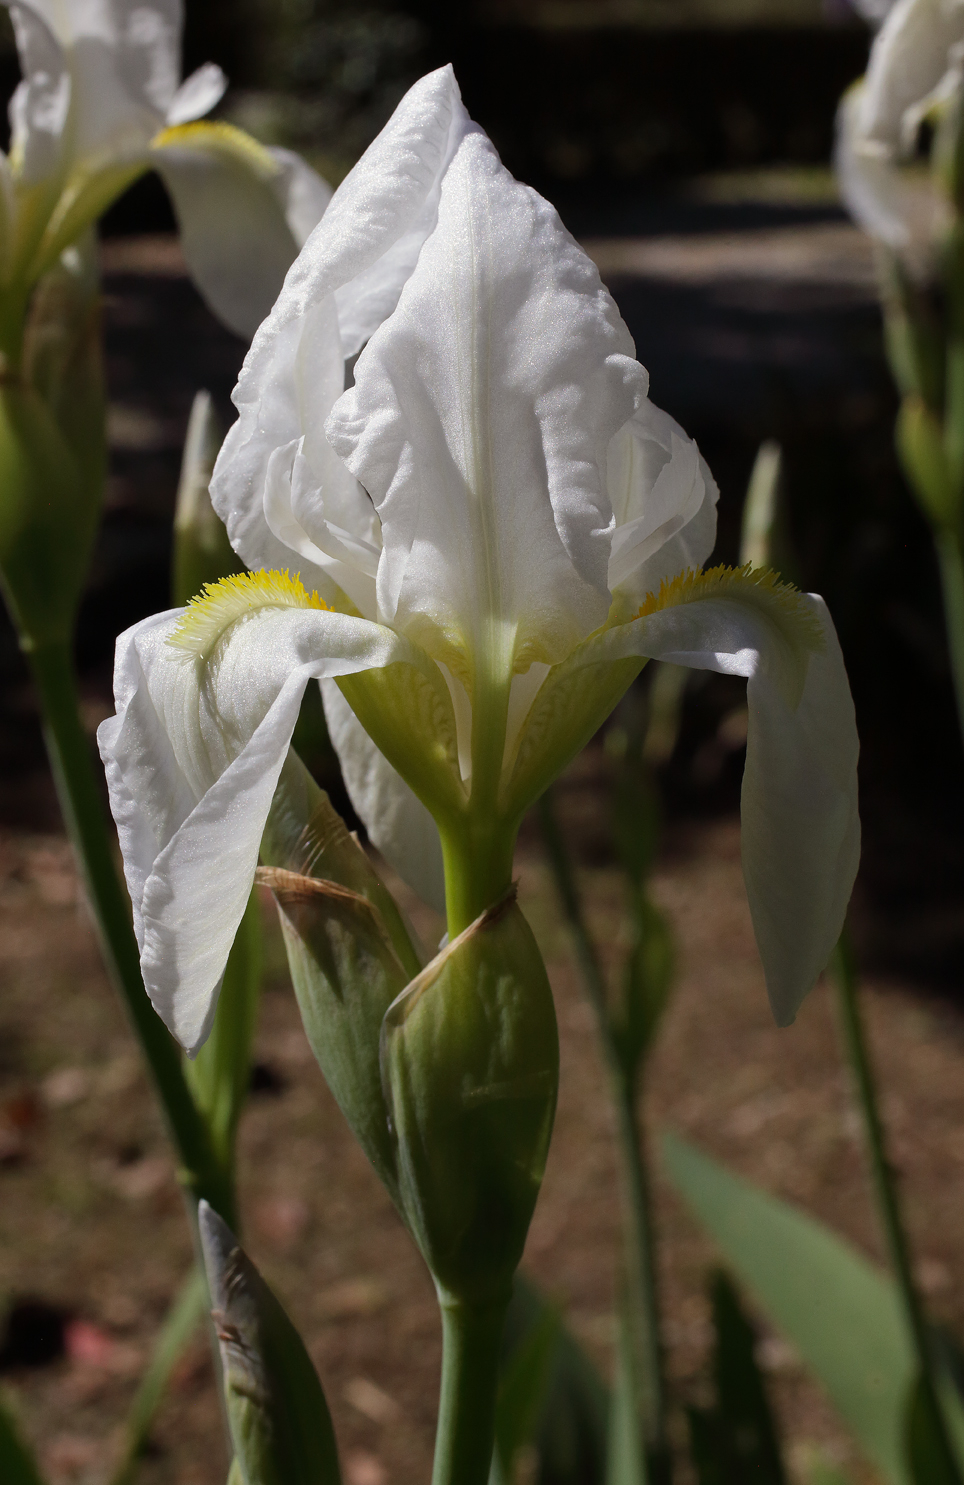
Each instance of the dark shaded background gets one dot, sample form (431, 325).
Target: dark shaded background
(621, 125)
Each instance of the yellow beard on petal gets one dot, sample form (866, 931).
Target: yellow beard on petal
(761, 586)
(221, 604)
(217, 137)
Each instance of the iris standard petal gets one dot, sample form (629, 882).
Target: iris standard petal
(479, 423)
(398, 824)
(346, 279)
(230, 196)
(908, 59)
(192, 757)
(899, 207)
(40, 104)
(122, 59)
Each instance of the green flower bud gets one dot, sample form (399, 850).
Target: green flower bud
(470, 1066)
(349, 953)
(279, 1420)
(52, 452)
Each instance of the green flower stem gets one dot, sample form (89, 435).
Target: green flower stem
(951, 559)
(844, 975)
(477, 852)
(69, 753)
(478, 842)
(639, 1240)
(471, 1340)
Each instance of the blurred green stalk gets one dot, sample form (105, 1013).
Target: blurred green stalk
(843, 971)
(639, 1248)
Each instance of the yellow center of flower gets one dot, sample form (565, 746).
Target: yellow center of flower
(784, 604)
(221, 604)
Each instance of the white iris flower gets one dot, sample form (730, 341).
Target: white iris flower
(100, 103)
(474, 547)
(915, 70)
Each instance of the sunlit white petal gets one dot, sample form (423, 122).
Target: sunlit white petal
(192, 758)
(800, 827)
(488, 468)
(346, 279)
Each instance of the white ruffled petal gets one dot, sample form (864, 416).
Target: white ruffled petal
(346, 279)
(479, 423)
(192, 758)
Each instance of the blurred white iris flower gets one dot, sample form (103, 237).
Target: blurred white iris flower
(473, 534)
(915, 72)
(100, 103)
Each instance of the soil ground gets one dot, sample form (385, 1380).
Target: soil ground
(91, 1221)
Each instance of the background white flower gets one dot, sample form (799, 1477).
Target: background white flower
(915, 66)
(101, 102)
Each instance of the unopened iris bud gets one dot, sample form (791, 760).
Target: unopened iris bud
(279, 1420)
(470, 1066)
(45, 532)
(349, 952)
(52, 452)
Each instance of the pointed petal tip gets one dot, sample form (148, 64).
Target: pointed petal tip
(218, 1242)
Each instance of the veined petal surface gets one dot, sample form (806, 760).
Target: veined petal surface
(346, 279)
(479, 423)
(192, 758)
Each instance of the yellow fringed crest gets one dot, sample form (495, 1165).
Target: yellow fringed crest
(221, 604)
(760, 586)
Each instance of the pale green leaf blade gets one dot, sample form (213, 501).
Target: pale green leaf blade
(842, 1315)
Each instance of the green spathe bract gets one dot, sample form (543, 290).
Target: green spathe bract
(280, 1424)
(470, 1067)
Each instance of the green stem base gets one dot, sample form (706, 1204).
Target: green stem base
(471, 1339)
